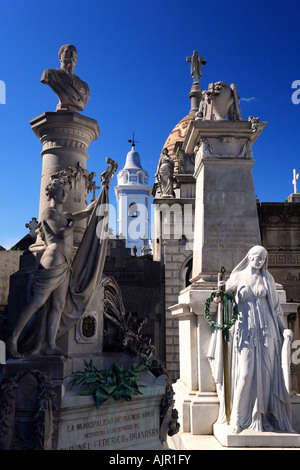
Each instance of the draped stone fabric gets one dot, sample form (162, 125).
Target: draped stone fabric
(71, 90)
(258, 356)
(88, 264)
(47, 280)
(165, 173)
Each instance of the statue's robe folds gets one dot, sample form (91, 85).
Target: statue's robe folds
(71, 90)
(257, 352)
(165, 175)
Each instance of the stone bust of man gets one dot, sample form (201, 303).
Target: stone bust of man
(72, 92)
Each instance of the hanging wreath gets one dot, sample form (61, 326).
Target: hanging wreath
(227, 322)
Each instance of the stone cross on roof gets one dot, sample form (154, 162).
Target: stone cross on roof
(296, 176)
(32, 225)
(196, 65)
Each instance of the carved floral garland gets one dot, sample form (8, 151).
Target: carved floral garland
(45, 405)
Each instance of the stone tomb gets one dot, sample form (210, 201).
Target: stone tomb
(117, 425)
(71, 421)
(43, 413)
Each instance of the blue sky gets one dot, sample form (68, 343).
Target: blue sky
(132, 53)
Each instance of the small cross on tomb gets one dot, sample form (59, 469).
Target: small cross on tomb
(296, 176)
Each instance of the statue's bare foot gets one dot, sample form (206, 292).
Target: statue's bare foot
(11, 349)
(54, 351)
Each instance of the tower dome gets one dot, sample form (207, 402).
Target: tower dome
(133, 172)
(133, 161)
(178, 134)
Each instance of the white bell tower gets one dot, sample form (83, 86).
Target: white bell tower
(133, 202)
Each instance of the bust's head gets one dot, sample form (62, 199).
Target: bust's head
(67, 55)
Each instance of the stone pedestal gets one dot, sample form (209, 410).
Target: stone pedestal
(294, 197)
(65, 137)
(225, 209)
(250, 438)
(195, 393)
(226, 227)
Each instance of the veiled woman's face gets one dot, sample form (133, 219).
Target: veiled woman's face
(257, 259)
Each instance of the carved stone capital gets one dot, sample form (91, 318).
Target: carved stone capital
(65, 131)
(65, 138)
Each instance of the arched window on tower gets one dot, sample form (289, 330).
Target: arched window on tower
(125, 177)
(132, 210)
(141, 178)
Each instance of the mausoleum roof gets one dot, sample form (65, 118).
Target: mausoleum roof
(178, 135)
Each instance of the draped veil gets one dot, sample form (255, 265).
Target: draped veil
(281, 374)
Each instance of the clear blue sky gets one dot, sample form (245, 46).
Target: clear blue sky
(132, 53)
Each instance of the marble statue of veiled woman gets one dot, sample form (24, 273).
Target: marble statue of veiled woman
(165, 174)
(259, 350)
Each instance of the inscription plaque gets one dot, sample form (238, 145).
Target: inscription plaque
(120, 424)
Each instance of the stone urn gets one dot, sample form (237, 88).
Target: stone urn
(222, 100)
